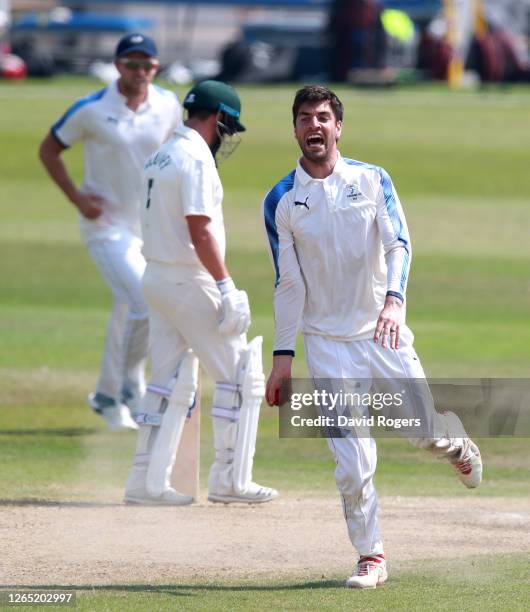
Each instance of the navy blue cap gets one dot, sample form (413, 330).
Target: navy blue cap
(136, 42)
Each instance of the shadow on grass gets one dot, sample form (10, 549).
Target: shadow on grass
(67, 432)
(176, 589)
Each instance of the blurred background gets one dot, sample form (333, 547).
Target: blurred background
(363, 42)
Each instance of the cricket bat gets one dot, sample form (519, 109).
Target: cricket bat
(185, 474)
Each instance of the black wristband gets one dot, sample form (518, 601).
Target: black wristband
(396, 295)
(291, 353)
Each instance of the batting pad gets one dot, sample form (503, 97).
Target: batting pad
(252, 393)
(169, 433)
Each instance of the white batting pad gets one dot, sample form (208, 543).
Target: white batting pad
(235, 423)
(168, 436)
(252, 393)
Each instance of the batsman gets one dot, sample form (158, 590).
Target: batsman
(196, 313)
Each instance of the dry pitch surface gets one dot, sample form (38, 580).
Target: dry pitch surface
(84, 544)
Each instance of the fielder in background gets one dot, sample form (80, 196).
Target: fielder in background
(119, 126)
(341, 252)
(194, 305)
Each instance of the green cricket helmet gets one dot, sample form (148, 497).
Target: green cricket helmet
(216, 96)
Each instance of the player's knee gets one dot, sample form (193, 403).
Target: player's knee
(350, 483)
(138, 305)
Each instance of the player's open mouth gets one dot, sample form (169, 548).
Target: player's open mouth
(315, 140)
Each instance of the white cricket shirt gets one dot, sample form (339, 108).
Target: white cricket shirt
(338, 245)
(117, 141)
(181, 180)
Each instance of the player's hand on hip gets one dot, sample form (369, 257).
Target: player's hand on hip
(389, 322)
(235, 313)
(89, 205)
(278, 387)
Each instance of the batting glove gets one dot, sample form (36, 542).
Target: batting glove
(235, 309)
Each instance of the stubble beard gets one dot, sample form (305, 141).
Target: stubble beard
(315, 156)
(131, 88)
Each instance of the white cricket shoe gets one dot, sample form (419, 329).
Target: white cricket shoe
(369, 573)
(255, 494)
(119, 418)
(117, 415)
(170, 497)
(468, 464)
(132, 400)
(97, 401)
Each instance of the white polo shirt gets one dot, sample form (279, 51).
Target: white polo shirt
(117, 141)
(181, 180)
(338, 245)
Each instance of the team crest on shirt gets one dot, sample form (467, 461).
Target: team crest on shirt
(353, 192)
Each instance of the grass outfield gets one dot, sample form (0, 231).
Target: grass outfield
(493, 583)
(460, 164)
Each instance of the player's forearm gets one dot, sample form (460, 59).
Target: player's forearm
(209, 253)
(394, 235)
(50, 156)
(57, 170)
(289, 301)
(398, 267)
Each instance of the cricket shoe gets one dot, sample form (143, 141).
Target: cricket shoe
(97, 401)
(369, 574)
(468, 464)
(116, 415)
(132, 400)
(255, 494)
(170, 497)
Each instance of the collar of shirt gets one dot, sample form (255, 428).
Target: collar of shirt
(194, 136)
(304, 178)
(117, 98)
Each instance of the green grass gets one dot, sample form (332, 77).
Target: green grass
(492, 583)
(460, 164)
(58, 450)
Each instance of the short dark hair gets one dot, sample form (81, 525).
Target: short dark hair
(317, 93)
(200, 113)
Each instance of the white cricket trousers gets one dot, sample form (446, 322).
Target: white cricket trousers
(122, 266)
(184, 311)
(184, 307)
(356, 457)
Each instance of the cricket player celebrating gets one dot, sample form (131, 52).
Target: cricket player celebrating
(119, 126)
(195, 305)
(341, 251)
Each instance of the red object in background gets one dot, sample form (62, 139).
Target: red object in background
(499, 59)
(12, 67)
(357, 36)
(434, 55)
